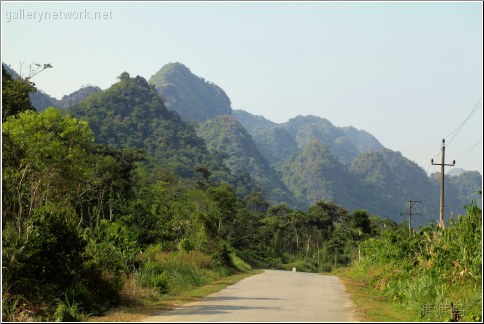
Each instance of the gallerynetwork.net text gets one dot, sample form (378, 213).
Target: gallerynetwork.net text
(40, 16)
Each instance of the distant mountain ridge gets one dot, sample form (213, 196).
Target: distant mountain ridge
(318, 160)
(298, 162)
(345, 143)
(41, 100)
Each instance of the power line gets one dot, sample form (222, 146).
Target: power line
(459, 128)
(479, 141)
(436, 155)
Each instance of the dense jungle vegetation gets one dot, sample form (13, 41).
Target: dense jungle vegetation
(87, 216)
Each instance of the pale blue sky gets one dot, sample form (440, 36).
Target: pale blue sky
(407, 72)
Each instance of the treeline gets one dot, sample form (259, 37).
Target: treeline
(83, 222)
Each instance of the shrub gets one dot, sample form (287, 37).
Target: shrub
(67, 311)
(238, 263)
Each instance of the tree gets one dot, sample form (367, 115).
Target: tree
(15, 95)
(46, 160)
(226, 201)
(203, 175)
(361, 223)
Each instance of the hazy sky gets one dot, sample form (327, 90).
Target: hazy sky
(407, 72)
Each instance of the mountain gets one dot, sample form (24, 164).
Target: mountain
(316, 174)
(393, 180)
(466, 187)
(131, 114)
(455, 172)
(78, 96)
(364, 141)
(41, 100)
(299, 162)
(380, 182)
(193, 98)
(278, 144)
(255, 125)
(224, 133)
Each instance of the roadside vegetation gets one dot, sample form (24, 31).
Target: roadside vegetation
(418, 276)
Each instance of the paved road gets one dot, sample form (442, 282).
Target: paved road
(273, 296)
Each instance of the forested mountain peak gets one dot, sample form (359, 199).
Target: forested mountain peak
(132, 114)
(226, 134)
(192, 97)
(315, 174)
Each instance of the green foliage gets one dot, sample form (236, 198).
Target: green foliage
(431, 266)
(66, 311)
(238, 263)
(175, 271)
(112, 247)
(277, 144)
(15, 95)
(46, 159)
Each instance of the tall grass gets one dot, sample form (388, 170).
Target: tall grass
(173, 272)
(429, 270)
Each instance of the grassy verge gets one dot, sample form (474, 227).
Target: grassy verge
(423, 300)
(371, 306)
(148, 303)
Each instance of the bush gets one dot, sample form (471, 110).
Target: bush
(238, 263)
(47, 258)
(67, 311)
(175, 271)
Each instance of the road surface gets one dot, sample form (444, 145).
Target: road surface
(273, 296)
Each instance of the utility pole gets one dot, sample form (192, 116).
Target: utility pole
(442, 176)
(409, 213)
